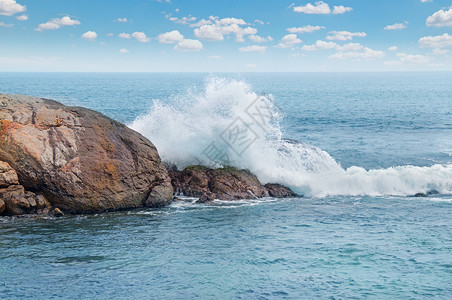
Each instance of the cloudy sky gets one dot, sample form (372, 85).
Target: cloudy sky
(225, 36)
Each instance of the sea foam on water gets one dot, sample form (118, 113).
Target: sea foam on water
(227, 123)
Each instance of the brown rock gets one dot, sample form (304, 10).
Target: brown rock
(78, 159)
(7, 175)
(56, 212)
(279, 191)
(2, 206)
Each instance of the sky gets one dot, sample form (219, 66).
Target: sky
(225, 36)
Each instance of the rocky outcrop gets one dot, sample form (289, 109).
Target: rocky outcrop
(14, 200)
(224, 184)
(78, 159)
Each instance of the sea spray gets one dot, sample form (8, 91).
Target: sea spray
(226, 122)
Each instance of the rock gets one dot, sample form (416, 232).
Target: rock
(78, 159)
(56, 212)
(2, 206)
(7, 175)
(19, 202)
(420, 195)
(279, 191)
(224, 184)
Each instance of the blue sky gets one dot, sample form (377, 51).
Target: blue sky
(225, 36)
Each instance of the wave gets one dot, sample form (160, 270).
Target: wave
(227, 123)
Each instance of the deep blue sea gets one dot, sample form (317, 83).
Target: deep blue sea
(356, 145)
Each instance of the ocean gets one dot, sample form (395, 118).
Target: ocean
(357, 146)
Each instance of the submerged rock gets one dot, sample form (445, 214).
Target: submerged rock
(226, 183)
(78, 159)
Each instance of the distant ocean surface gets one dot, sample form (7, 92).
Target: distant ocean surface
(357, 145)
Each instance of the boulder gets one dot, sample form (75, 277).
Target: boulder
(226, 183)
(80, 160)
(279, 191)
(7, 175)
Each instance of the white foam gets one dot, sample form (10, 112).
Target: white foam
(183, 127)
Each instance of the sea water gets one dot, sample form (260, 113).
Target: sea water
(356, 145)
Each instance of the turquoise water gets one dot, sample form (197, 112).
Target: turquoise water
(339, 245)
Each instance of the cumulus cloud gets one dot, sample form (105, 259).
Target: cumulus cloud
(415, 59)
(11, 7)
(123, 50)
(344, 35)
(22, 18)
(338, 10)
(258, 39)
(321, 8)
(305, 29)
(89, 35)
(216, 32)
(125, 35)
(183, 20)
(366, 53)
(350, 47)
(320, 45)
(57, 23)
(289, 40)
(424, 1)
(141, 37)
(6, 25)
(171, 37)
(188, 45)
(439, 41)
(397, 26)
(259, 22)
(122, 20)
(440, 51)
(393, 48)
(441, 18)
(253, 48)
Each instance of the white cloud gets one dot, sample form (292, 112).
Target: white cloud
(393, 48)
(424, 1)
(259, 39)
(251, 66)
(344, 35)
(229, 21)
(396, 26)
(289, 40)
(350, 47)
(253, 48)
(170, 37)
(123, 50)
(89, 35)
(338, 10)
(441, 18)
(124, 35)
(22, 18)
(367, 53)
(217, 31)
(188, 45)
(6, 25)
(183, 20)
(320, 45)
(11, 7)
(259, 22)
(440, 51)
(57, 23)
(110, 34)
(320, 8)
(214, 57)
(393, 63)
(416, 59)
(304, 29)
(141, 37)
(122, 20)
(439, 41)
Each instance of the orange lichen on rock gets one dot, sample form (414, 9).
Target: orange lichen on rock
(6, 126)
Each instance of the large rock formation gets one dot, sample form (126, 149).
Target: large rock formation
(224, 184)
(78, 159)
